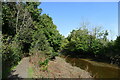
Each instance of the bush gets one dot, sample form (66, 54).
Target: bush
(11, 51)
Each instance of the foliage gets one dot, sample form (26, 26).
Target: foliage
(26, 31)
(45, 62)
(82, 42)
(44, 65)
(94, 44)
(52, 34)
(40, 42)
(10, 51)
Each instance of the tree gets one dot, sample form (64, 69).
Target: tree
(26, 30)
(52, 34)
(40, 43)
(82, 42)
(8, 18)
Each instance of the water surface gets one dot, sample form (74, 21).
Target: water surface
(97, 69)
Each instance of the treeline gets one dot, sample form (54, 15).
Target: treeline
(26, 31)
(92, 44)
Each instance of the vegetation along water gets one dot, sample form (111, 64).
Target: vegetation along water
(26, 32)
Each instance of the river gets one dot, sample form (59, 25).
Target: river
(97, 69)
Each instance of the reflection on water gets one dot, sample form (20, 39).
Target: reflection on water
(97, 69)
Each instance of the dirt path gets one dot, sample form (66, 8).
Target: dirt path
(59, 68)
(21, 71)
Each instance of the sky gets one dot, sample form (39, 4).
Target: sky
(119, 18)
(69, 15)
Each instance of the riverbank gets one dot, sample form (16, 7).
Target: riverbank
(64, 68)
(59, 68)
(97, 69)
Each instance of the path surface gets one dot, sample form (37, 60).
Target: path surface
(58, 68)
(21, 71)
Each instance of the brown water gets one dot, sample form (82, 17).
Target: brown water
(97, 69)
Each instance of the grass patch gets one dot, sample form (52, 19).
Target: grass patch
(30, 72)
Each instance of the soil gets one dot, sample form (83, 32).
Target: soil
(59, 68)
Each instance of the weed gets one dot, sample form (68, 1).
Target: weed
(44, 65)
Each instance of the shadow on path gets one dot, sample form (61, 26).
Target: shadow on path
(21, 70)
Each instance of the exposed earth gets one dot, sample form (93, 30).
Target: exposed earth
(57, 68)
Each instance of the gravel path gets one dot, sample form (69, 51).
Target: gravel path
(21, 71)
